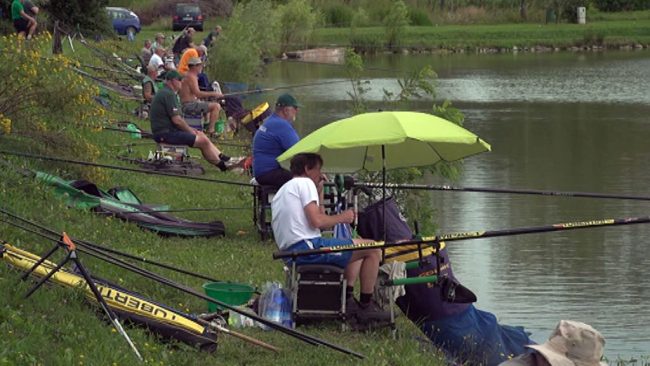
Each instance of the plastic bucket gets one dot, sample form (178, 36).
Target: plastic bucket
(230, 293)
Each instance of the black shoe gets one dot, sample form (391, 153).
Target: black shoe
(372, 312)
(352, 307)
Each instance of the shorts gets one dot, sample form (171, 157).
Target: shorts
(176, 138)
(339, 259)
(21, 25)
(196, 107)
(276, 178)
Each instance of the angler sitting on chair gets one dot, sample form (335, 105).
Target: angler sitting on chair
(298, 218)
(191, 94)
(169, 127)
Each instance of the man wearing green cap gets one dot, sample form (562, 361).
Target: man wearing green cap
(275, 136)
(169, 127)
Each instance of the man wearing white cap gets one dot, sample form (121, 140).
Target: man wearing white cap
(191, 95)
(571, 344)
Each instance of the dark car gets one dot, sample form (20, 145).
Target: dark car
(187, 15)
(125, 22)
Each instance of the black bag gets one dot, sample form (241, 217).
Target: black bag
(371, 222)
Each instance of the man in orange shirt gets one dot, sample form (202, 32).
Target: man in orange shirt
(192, 52)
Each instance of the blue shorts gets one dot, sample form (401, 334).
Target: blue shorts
(339, 259)
(176, 138)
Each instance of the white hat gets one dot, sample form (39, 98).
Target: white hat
(571, 344)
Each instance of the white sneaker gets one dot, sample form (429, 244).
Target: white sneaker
(235, 162)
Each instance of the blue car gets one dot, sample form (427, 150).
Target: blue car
(125, 22)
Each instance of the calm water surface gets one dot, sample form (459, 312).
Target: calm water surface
(564, 122)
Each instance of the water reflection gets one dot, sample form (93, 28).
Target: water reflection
(566, 122)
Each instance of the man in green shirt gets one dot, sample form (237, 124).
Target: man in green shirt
(169, 127)
(25, 25)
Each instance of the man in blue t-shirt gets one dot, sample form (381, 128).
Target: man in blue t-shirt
(273, 138)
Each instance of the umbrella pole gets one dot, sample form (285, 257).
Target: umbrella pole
(383, 194)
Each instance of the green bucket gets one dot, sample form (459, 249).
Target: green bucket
(227, 292)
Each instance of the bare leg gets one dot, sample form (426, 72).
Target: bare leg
(213, 115)
(352, 272)
(209, 151)
(31, 29)
(369, 267)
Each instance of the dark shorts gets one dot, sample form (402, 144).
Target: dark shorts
(176, 138)
(21, 25)
(339, 259)
(276, 178)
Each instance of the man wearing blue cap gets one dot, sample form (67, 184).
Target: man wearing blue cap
(275, 136)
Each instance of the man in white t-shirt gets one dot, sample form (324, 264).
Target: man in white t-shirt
(297, 220)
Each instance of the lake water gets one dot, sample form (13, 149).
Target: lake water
(557, 121)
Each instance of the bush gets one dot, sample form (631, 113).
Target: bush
(419, 17)
(246, 39)
(395, 23)
(297, 22)
(621, 5)
(338, 16)
(44, 100)
(365, 43)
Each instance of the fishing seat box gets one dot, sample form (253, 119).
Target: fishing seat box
(317, 292)
(177, 152)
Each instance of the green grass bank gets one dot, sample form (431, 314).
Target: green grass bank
(56, 326)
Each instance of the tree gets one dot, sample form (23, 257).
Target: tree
(395, 22)
(523, 13)
(89, 16)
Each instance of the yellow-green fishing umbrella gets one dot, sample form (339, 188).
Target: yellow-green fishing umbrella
(387, 140)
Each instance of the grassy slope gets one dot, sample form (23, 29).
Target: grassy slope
(55, 327)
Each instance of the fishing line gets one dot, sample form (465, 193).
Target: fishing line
(503, 190)
(115, 167)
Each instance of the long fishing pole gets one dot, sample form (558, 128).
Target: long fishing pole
(153, 276)
(432, 240)
(110, 85)
(106, 249)
(148, 134)
(115, 167)
(504, 190)
(153, 210)
(264, 90)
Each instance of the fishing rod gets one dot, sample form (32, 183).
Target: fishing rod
(115, 167)
(158, 278)
(107, 249)
(151, 211)
(371, 68)
(503, 190)
(434, 240)
(141, 132)
(150, 135)
(117, 60)
(264, 90)
(110, 85)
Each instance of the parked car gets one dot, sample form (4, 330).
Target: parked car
(125, 22)
(187, 15)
